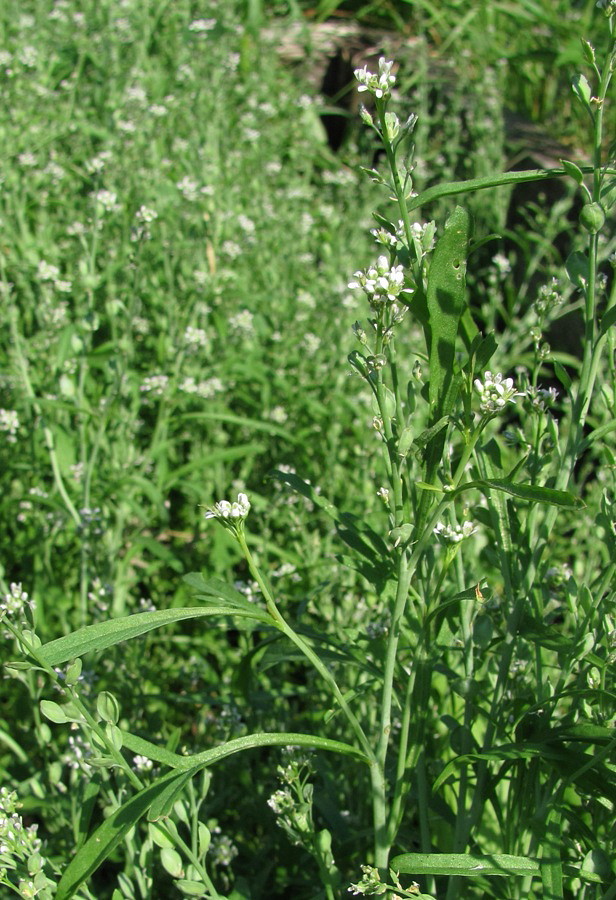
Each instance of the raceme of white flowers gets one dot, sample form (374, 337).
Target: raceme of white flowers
(381, 282)
(495, 392)
(379, 85)
(224, 509)
(453, 534)
(14, 603)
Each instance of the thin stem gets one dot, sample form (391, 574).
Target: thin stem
(303, 646)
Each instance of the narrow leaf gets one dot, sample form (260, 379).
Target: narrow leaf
(464, 864)
(107, 836)
(532, 493)
(452, 188)
(107, 634)
(248, 742)
(219, 590)
(163, 804)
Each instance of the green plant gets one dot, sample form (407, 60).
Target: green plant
(455, 676)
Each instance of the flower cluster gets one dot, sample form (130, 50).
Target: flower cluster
(548, 298)
(380, 282)
(370, 883)
(224, 509)
(15, 602)
(22, 863)
(495, 392)
(9, 423)
(453, 534)
(541, 398)
(379, 85)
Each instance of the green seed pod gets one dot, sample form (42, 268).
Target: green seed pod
(592, 217)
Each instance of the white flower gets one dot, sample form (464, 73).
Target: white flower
(224, 509)
(146, 215)
(242, 322)
(14, 603)
(106, 200)
(199, 26)
(155, 385)
(542, 398)
(453, 534)
(9, 422)
(383, 493)
(502, 264)
(495, 392)
(379, 85)
(47, 272)
(195, 337)
(189, 188)
(142, 763)
(381, 283)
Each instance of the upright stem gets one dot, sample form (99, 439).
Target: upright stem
(303, 646)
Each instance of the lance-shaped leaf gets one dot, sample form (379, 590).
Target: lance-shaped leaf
(107, 634)
(108, 835)
(445, 300)
(468, 864)
(531, 492)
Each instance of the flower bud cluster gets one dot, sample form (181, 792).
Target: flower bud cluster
(548, 298)
(378, 85)
(21, 861)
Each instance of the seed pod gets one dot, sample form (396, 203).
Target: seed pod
(592, 217)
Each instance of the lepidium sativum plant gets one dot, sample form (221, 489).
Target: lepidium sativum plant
(469, 724)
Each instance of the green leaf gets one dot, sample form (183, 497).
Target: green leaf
(530, 492)
(163, 804)
(573, 171)
(562, 375)
(248, 742)
(581, 89)
(107, 836)
(191, 888)
(351, 529)
(464, 864)
(452, 188)
(107, 634)
(141, 747)
(446, 299)
(423, 439)
(551, 865)
(608, 320)
(485, 351)
(596, 866)
(608, 193)
(54, 712)
(513, 752)
(577, 269)
(219, 590)
(172, 862)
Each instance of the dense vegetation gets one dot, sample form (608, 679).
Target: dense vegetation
(308, 532)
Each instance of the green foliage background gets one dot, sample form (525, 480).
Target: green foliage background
(258, 228)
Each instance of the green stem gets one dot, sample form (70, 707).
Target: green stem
(303, 646)
(22, 366)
